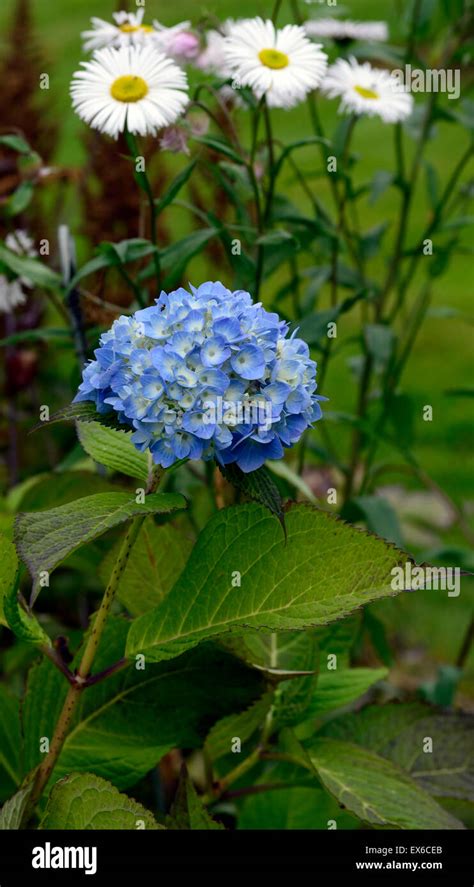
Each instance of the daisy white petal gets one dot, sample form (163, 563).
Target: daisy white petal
(282, 65)
(367, 90)
(134, 86)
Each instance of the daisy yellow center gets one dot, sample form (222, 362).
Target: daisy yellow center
(273, 58)
(366, 93)
(128, 88)
(131, 29)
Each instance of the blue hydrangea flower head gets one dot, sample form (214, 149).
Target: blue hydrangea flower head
(205, 374)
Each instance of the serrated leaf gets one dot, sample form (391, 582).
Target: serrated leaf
(340, 687)
(374, 789)
(326, 570)
(257, 485)
(243, 725)
(123, 726)
(10, 744)
(296, 807)
(85, 801)
(83, 411)
(12, 811)
(375, 725)
(448, 771)
(113, 449)
(24, 625)
(8, 573)
(45, 538)
(57, 488)
(156, 561)
(188, 811)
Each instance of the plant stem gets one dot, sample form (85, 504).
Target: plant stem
(144, 183)
(81, 677)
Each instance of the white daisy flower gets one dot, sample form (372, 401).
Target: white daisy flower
(128, 30)
(12, 292)
(133, 87)
(336, 29)
(282, 65)
(367, 90)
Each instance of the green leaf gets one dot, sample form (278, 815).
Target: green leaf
(175, 257)
(20, 199)
(374, 789)
(113, 449)
(24, 266)
(123, 726)
(10, 744)
(257, 485)
(375, 726)
(298, 807)
(11, 814)
(87, 802)
(447, 771)
(219, 739)
(57, 488)
(380, 182)
(127, 250)
(340, 687)
(175, 187)
(8, 573)
(155, 563)
(380, 341)
(16, 143)
(85, 411)
(45, 538)
(219, 146)
(24, 624)
(378, 514)
(188, 811)
(326, 570)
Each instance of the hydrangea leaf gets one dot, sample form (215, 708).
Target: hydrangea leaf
(45, 538)
(241, 574)
(84, 411)
(449, 770)
(341, 687)
(24, 624)
(257, 485)
(10, 744)
(12, 811)
(156, 561)
(374, 789)
(8, 572)
(244, 724)
(375, 726)
(85, 801)
(292, 807)
(123, 726)
(188, 811)
(113, 449)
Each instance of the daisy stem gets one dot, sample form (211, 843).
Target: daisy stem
(143, 182)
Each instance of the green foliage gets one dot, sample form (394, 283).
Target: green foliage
(113, 449)
(11, 814)
(10, 744)
(283, 586)
(84, 801)
(374, 789)
(123, 726)
(188, 811)
(45, 538)
(155, 563)
(8, 573)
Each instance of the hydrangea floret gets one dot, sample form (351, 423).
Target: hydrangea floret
(205, 373)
